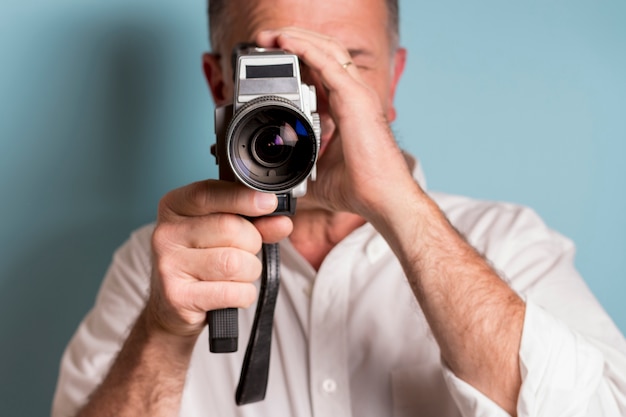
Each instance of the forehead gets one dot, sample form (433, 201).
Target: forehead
(358, 24)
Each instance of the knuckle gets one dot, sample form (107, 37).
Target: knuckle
(329, 56)
(229, 262)
(236, 232)
(163, 237)
(197, 193)
(228, 225)
(164, 209)
(160, 233)
(238, 265)
(201, 196)
(335, 44)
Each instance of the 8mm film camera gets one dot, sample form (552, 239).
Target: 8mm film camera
(269, 140)
(269, 137)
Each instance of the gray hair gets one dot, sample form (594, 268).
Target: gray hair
(217, 10)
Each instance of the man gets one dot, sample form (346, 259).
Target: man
(384, 309)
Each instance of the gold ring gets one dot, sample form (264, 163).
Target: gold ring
(346, 64)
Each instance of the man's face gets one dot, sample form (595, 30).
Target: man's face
(360, 25)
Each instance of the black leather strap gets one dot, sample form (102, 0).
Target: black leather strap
(256, 363)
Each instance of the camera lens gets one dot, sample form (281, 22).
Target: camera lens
(273, 145)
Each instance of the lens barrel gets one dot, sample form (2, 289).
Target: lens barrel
(271, 145)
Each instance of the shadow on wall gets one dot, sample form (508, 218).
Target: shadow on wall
(80, 192)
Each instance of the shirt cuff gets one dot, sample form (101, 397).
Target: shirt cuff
(560, 372)
(470, 401)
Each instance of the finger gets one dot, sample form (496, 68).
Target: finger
(214, 196)
(215, 230)
(273, 229)
(326, 43)
(332, 73)
(214, 264)
(202, 296)
(323, 54)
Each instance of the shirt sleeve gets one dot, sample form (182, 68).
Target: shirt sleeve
(563, 374)
(99, 337)
(572, 356)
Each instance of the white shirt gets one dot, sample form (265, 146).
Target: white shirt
(351, 340)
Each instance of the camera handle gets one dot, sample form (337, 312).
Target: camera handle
(223, 326)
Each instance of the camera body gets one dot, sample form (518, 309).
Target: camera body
(269, 137)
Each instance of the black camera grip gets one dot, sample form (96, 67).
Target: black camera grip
(223, 330)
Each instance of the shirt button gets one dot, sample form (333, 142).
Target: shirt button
(307, 290)
(329, 385)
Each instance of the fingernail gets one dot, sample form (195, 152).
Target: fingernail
(265, 201)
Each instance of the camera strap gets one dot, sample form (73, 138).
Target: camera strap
(255, 369)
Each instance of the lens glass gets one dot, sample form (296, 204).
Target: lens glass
(271, 145)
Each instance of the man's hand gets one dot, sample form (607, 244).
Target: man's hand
(360, 157)
(204, 258)
(204, 252)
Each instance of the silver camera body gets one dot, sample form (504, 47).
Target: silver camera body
(269, 137)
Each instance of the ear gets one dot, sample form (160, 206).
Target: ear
(399, 61)
(214, 74)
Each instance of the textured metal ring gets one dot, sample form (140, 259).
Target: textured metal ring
(345, 65)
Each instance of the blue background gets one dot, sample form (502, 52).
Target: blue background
(103, 108)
